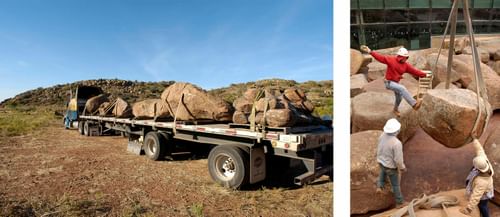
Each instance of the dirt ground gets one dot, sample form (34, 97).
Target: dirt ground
(57, 172)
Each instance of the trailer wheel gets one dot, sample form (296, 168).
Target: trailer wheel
(228, 166)
(155, 146)
(80, 127)
(86, 130)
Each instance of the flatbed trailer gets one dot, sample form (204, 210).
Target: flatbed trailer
(238, 156)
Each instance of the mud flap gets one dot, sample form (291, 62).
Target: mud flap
(257, 165)
(135, 147)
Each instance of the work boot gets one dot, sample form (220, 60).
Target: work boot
(401, 205)
(418, 104)
(396, 112)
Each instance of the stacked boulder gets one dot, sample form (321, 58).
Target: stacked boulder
(92, 105)
(275, 109)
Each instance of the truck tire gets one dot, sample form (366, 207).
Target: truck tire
(229, 166)
(155, 146)
(80, 127)
(86, 130)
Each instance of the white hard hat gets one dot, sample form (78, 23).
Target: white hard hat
(481, 163)
(392, 126)
(403, 52)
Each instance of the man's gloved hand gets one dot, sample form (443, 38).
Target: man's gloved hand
(429, 74)
(465, 211)
(365, 49)
(404, 170)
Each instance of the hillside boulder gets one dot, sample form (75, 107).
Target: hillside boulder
(196, 103)
(357, 83)
(371, 110)
(92, 104)
(448, 116)
(364, 174)
(151, 108)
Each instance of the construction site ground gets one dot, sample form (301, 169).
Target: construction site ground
(58, 172)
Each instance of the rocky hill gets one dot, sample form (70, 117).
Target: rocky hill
(319, 92)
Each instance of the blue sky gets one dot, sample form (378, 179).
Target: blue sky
(206, 42)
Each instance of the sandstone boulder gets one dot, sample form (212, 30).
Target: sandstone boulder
(250, 94)
(280, 118)
(371, 110)
(459, 70)
(484, 55)
(492, 149)
(364, 174)
(448, 116)
(496, 67)
(357, 83)
(376, 70)
(122, 109)
(243, 105)
(442, 85)
(92, 104)
(294, 94)
(104, 109)
(240, 117)
(196, 104)
(151, 108)
(357, 60)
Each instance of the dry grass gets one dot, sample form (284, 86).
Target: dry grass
(16, 121)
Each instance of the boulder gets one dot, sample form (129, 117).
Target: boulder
(442, 85)
(304, 106)
(376, 70)
(448, 116)
(459, 70)
(122, 109)
(151, 108)
(496, 67)
(371, 110)
(240, 117)
(250, 94)
(418, 58)
(294, 94)
(453, 211)
(357, 60)
(243, 105)
(484, 55)
(364, 174)
(104, 109)
(357, 83)
(272, 103)
(196, 104)
(280, 118)
(426, 159)
(492, 149)
(378, 85)
(92, 104)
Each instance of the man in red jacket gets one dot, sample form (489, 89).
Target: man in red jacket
(396, 67)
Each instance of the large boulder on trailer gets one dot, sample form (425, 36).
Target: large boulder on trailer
(437, 211)
(122, 109)
(151, 108)
(189, 102)
(105, 109)
(243, 105)
(449, 115)
(371, 110)
(364, 174)
(240, 117)
(92, 104)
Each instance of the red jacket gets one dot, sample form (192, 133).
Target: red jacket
(395, 69)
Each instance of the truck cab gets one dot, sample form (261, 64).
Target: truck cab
(77, 102)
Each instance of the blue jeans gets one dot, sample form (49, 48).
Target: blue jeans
(483, 208)
(393, 175)
(399, 91)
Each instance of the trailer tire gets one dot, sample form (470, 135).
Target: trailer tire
(86, 130)
(229, 166)
(80, 127)
(155, 146)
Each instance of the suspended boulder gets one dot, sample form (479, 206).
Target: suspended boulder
(196, 104)
(92, 104)
(151, 108)
(364, 174)
(448, 116)
(122, 109)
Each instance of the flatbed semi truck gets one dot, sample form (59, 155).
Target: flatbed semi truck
(238, 155)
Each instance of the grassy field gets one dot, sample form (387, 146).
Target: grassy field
(21, 120)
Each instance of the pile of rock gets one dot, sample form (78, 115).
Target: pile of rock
(274, 109)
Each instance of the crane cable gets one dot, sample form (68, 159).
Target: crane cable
(481, 92)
